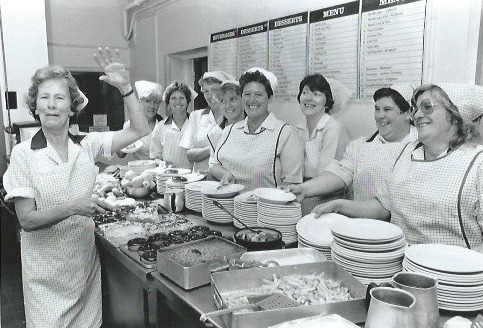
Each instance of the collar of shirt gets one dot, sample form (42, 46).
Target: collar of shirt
(206, 111)
(170, 121)
(267, 124)
(419, 155)
(319, 127)
(39, 141)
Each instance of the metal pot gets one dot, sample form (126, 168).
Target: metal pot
(242, 238)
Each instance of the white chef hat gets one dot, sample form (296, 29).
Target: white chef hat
(467, 97)
(272, 79)
(219, 75)
(84, 103)
(340, 93)
(145, 88)
(176, 85)
(227, 82)
(405, 89)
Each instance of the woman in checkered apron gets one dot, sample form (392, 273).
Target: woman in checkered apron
(167, 133)
(324, 137)
(50, 178)
(435, 193)
(260, 151)
(368, 160)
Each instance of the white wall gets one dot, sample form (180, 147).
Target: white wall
(451, 41)
(75, 29)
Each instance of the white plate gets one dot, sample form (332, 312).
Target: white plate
(226, 191)
(317, 231)
(132, 147)
(196, 187)
(446, 258)
(191, 177)
(274, 195)
(367, 230)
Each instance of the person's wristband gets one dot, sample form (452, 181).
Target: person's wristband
(127, 94)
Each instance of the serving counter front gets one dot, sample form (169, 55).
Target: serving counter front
(137, 296)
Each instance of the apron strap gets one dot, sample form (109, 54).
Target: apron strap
(459, 198)
(275, 155)
(224, 141)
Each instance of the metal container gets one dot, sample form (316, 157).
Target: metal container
(289, 256)
(235, 280)
(188, 264)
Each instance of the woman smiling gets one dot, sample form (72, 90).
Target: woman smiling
(260, 151)
(435, 192)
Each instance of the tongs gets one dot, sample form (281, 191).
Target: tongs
(264, 302)
(223, 208)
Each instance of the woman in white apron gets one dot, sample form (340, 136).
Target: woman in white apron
(201, 121)
(260, 151)
(167, 133)
(150, 95)
(50, 178)
(435, 193)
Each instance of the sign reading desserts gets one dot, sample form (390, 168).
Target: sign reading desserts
(333, 36)
(364, 44)
(222, 52)
(287, 49)
(252, 47)
(391, 43)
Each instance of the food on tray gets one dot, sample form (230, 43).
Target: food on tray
(146, 247)
(121, 201)
(179, 179)
(119, 233)
(133, 244)
(306, 289)
(200, 252)
(149, 257)
(321, 321)
(138, 185)
(261, 236)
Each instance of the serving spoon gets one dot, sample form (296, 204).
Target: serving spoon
(223, 208)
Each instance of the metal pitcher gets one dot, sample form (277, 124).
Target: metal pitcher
(390, 308)
(173, 200)
(424, 290)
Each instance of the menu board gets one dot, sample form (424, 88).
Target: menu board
(252, 47)
(288, 54)
(333, 36)
(391, 43)
(223, 52)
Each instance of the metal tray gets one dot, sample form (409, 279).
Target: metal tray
(227, 281)
(192, 275)
(288, 256)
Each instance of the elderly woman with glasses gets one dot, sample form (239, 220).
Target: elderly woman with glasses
(435, 193)
(261, 150)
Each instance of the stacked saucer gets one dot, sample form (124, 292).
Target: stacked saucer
(371, 250)
(214, 214)
(316, 233)
(193, 199)
(283, 218)
(164, 174)
(246, 209)
(459, 272)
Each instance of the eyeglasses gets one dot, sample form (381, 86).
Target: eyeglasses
(426, 106)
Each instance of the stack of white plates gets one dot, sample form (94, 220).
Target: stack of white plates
(246, 209)
(316, 233)
(283, 218)
(214, 214)
(371, 250)
(459, 272)
(164, 174)
(193, 199)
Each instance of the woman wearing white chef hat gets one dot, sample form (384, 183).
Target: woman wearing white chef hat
(435, 191)
(201, 121)
(368, 160)
(150, 96)
(261, 150)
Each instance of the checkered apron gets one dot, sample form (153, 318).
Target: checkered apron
(251, 158)
(172, 152)
(60, 265)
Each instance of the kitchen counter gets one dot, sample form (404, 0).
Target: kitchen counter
(135, 296)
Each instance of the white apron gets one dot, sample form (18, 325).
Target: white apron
(60, 265)
(251, 158)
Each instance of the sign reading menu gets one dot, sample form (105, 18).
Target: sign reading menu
(288, 54)
(333, 37)
(222, 51)
(391, 43)
(252, 47)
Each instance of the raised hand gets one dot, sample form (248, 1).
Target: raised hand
(116, 74)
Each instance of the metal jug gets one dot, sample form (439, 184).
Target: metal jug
(173, 200)
(424, 290)
(390, 308)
